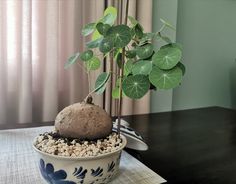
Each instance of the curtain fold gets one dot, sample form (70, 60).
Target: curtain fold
(36, 38)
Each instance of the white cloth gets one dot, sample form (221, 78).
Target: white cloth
(18, 161)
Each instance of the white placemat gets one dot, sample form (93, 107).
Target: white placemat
(18, 161)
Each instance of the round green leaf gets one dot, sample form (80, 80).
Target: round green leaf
(71, 60)
(110, 15)
(165, 79)
(86, 55)
(142, 67)
(120, 34)
(167, 58)
(144, 51)
(93, 64)
(94, 43)
(128, 67)
(107, 19)
(96, 35)
(112, 10)
(102, 28)
(132, 20)
(135, 86)
(88, 29)
(100, 84)
(130, 53)
(138, 31)
(106, 45)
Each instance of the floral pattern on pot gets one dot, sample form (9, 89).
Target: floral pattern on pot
(80, 173)
(97, 172)
(51, 176)
(111, 167)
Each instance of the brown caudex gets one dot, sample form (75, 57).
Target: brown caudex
(83, 121)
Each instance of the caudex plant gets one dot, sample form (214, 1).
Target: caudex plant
(141, 66)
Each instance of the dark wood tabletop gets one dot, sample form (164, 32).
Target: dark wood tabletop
(195, 146)
(190, 147)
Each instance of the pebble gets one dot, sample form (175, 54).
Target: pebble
(52, 143)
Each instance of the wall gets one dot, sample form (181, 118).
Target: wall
(167, 10)
(207, 30)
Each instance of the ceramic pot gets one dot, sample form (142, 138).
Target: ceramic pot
(87, 170)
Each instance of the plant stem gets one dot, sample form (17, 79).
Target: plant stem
(111, 86)
(113, 73)
(89, 82)
(122, 74)
(162, 27)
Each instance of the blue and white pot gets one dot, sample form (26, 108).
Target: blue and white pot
(80, 170)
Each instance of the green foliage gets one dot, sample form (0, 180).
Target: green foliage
(130, 53)
(93, 64)
(144, 51)
(96, 35)
(147, 37)
(102, 28)
(88, 29)
(144, 66)
(133, 21)
(165, 79)
(111, 10)
(119, 60)
(167, 57)
(115, 93)
(86, 55)
(120, 35)
(94, 43)
(71, 60)
(110, 15)
(100, 84)
(106, 45)
(128, 67)
(138, 30)
(135, 86)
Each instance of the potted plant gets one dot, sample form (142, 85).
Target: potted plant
(83, 148)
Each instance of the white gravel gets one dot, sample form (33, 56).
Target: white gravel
(52, 143)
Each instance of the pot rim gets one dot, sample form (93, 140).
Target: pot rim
(124, 142)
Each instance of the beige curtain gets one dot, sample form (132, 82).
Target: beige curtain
(36, 38)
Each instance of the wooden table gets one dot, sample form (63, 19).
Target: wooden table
(195, 146)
